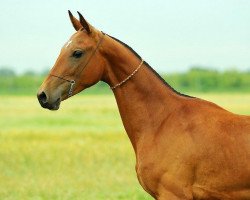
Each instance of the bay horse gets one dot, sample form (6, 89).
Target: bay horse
(185, 147)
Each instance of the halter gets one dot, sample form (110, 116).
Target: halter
(72, 82)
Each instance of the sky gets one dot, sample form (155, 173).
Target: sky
(172, 36)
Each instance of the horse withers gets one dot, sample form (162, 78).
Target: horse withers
(186, 148)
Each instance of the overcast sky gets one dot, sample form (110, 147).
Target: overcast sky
(169, 35)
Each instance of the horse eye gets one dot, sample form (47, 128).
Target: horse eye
(77, 54)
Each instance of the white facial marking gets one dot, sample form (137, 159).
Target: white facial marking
(68, 43)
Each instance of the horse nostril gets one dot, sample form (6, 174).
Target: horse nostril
(42, 97)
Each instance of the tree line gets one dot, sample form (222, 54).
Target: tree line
(197, 79)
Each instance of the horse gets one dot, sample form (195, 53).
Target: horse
(186, 148)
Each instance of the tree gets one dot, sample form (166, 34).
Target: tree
(6, 72)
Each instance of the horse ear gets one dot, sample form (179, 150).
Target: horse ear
(84, 23)
(77, 25)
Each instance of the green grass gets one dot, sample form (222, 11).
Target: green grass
(79, 152)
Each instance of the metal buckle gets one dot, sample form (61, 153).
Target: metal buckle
(72, 83)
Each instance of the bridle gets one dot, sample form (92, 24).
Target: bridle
(73, 81)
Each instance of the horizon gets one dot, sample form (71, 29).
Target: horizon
(12, 71)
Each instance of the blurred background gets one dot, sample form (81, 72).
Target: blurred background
(201, 48)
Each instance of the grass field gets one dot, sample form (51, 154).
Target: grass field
(79, 152)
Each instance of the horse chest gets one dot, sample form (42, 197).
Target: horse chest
(147, 172)
(147, 176)
(147, 166)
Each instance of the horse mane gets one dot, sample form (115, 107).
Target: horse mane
(154, 72)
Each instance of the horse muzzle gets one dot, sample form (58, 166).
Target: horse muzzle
(44, 101)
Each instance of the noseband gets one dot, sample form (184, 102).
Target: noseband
(72, 82)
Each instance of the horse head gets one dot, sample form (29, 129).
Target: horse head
(79, 65)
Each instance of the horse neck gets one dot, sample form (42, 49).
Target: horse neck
(144, 101)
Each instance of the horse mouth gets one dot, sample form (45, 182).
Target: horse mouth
(51, 106)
